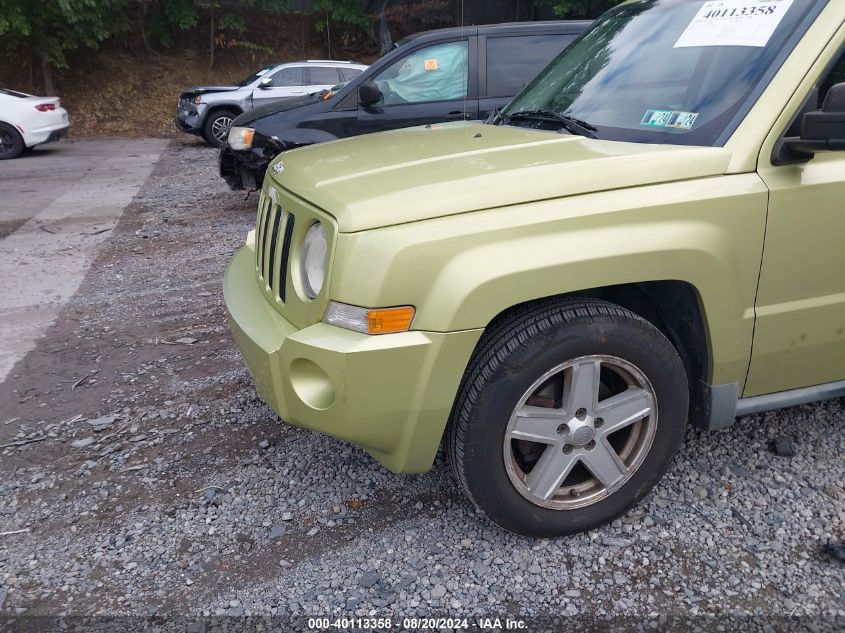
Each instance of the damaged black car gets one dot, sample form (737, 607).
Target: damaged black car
(444, 75)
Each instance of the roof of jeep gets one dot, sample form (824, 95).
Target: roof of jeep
(504, 27)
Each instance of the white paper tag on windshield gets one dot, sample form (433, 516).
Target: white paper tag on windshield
(734, 23)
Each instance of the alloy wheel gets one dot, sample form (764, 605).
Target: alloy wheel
(220, 128)
(580, 432)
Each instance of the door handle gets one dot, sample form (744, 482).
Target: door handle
(459, 114)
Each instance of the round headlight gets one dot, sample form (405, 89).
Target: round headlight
(313, 260)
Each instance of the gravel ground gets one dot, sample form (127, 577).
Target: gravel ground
(149, 480)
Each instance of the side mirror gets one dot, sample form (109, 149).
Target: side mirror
(368, 93)
(265, 83)
(823, 130)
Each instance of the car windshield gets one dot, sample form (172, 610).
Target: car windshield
(255, 76)
(665, 71)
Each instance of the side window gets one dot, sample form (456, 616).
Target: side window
(513, 61)
(433, 73)
(322, 76)
(349, 74)
(835, 76)
(291, 76)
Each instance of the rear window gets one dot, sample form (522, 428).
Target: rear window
(322, 76)
(513, 61)
(349, 73)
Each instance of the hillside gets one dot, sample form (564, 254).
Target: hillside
(125, 95)
(118, 91)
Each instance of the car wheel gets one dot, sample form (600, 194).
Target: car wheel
(217, 127)
(11, 142)
(556, 428)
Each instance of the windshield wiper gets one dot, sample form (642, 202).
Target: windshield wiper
(569, 123)
(495, 117)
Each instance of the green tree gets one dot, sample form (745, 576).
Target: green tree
(50, 29)
(225, 19)
(344, 13)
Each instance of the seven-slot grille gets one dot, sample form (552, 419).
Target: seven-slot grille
(274, 230)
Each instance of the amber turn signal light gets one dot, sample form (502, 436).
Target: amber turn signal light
(369, 321)
(389, 320)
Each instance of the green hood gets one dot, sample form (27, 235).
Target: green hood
(426, 172)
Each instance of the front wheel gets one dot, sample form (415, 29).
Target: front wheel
(570, 412)
(217, 125)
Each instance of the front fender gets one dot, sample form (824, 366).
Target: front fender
(463, 270)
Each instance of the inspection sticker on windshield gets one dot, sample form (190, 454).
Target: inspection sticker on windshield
(734, 23)
(669, 118)
(430, 64)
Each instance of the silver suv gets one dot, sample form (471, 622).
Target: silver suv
(208, 111)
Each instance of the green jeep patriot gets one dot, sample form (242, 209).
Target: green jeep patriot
(650, 235)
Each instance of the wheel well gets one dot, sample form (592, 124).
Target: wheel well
(217, 108)
(671, 306)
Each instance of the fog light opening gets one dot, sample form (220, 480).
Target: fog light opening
(311, 384)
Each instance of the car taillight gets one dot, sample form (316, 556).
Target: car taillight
(45, 107)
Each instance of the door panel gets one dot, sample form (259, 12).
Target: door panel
(287, 82)
(799, 336)
(432, 84)
(395, 117)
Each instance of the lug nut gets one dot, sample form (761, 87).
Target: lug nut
(591, 445)
(598, 422)
(567, 449)
(581, 413)
(563, 429)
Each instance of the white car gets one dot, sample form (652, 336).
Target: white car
(27, 121)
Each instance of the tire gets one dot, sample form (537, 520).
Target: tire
(531, 376)
(11, 142)
(216, 127)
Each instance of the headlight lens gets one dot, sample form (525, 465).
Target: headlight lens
(313, 260)
(240, 137)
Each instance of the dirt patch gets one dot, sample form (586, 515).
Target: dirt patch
(143, 349)
(7, 227)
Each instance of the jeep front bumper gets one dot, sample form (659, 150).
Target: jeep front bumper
(390, 394)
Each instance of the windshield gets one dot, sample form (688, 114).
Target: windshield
(665, 71)
(255, 76)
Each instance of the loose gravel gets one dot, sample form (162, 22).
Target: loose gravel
(141, 476)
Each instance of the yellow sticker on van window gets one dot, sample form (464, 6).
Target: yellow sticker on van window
(430, 64)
